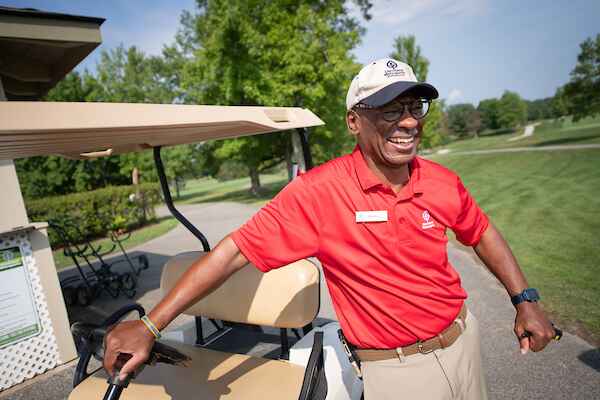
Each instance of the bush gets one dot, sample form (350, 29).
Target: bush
(97, 212)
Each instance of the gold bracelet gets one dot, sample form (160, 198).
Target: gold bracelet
(151, 327)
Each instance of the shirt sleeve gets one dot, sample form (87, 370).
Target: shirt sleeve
(283, 231)
(471, 222)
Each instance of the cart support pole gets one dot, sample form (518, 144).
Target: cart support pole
(169, 200)
(303, 133)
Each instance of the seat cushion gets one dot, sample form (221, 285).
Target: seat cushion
(211, 375)
(287, 297)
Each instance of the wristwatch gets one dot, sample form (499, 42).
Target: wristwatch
(530, 294)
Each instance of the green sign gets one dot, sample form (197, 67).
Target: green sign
(18, 315)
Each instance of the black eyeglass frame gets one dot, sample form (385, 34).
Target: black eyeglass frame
(387, 115)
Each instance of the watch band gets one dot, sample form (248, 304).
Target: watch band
(530, 295)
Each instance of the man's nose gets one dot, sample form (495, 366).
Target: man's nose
(408, 121)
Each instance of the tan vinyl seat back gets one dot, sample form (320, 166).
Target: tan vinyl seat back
(287, 297)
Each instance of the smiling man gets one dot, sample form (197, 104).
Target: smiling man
(377, 221)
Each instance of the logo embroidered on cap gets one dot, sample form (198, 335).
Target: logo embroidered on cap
(428, 223)
(392, 64)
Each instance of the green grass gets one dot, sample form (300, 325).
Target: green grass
(238, 190)
(138, 237)
(548, 133)
(547, 204)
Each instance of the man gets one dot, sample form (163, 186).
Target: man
(377, 221)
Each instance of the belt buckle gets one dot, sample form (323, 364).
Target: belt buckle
(422, 349)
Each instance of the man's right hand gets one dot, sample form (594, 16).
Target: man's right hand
(128, 344)
(127, 347)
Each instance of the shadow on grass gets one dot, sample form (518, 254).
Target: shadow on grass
(241, 195)
(567, 140)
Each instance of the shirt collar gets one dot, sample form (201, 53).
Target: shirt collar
(367, 179)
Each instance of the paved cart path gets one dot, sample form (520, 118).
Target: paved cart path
(528, 131)
(569, 369)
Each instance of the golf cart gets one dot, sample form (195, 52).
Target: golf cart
(315, 367)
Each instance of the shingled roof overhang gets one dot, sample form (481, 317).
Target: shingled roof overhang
(39, 48)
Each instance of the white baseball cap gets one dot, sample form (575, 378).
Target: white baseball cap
(381, 81)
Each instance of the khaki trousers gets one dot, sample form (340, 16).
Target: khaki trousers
(451, 373)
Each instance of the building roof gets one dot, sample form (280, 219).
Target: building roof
(39, 48)
(35, 13)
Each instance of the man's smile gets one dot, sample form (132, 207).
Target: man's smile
(399, 140)
(402, 141)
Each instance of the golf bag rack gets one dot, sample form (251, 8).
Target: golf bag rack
(91, 281)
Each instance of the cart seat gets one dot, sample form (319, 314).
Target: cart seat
(211, 375)
(287, 297)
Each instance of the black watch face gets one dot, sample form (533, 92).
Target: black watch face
(530, 295)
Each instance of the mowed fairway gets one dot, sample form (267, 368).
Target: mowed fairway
(547, 204)
(547, 133)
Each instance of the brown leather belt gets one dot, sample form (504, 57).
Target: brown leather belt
(441, 341)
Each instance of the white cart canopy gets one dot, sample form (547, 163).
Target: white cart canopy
(88, 130)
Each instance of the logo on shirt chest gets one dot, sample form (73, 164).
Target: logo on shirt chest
(427, 220)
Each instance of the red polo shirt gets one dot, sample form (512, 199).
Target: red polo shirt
(389, 279)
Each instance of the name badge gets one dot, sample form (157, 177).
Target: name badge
(371, 216)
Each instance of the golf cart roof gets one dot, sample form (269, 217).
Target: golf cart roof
(89, 130)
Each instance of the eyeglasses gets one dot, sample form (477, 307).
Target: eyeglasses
(417, 109)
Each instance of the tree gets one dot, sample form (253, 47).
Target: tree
(460, 118)
(560, 103)
(128, 75)
(489, 111)
(474, 122)
(407, 50)
(276, 53)
(435, 129)
(583, 90)
(512, 110)
(539, 109)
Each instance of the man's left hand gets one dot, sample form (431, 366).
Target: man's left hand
(532, 328)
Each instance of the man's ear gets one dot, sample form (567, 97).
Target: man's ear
(353, 122)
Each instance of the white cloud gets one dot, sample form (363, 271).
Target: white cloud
(393, 12)
(454, 96)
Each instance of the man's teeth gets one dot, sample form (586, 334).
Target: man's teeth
(401, 140)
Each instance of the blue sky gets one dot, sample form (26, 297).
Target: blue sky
(477, 48)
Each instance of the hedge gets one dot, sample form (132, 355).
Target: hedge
(96, 212)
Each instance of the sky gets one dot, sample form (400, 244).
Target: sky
(477, 48)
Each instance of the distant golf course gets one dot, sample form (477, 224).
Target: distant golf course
(548, 206)
(547, 133)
